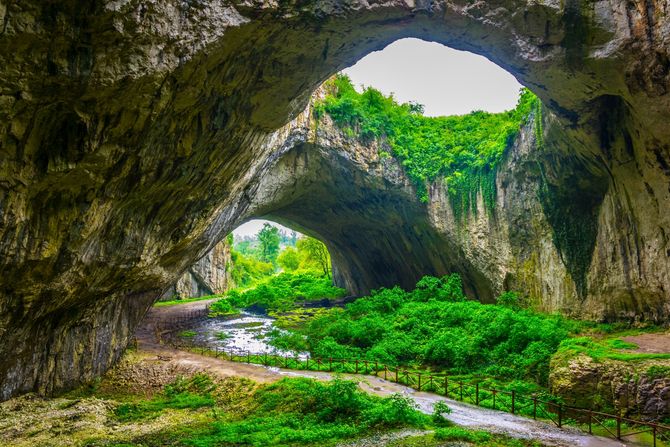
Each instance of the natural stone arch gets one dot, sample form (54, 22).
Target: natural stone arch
(132, 132)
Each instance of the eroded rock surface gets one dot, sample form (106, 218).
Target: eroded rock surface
(133, 135)
(210, 275)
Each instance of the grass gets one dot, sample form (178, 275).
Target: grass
(457, 436)
(604, 349)
(188, 334)
(185, 301)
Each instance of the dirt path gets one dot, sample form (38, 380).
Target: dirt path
(658, 343)
(461, 414)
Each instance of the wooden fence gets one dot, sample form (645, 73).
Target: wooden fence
(537, 406)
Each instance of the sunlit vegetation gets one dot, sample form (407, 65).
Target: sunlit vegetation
(464, 149)
(436, 326)
(289, 412)
(282, 292)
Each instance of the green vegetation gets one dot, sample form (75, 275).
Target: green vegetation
(183, 393)
(462, 434)
(464, 149)
(455, 436)
(187, 334)
(603, 349)
(281, 292)
(287, 413)
(222, 308)
(436, 326)
(185, 300)
(269, 240)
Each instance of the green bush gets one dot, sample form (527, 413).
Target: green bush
(435, 325)
(281, 292)
(305, 411)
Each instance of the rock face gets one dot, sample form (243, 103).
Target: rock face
(134, 135)
(640, 387)
(210, 275)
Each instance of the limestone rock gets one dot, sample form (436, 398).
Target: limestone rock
(210, 275)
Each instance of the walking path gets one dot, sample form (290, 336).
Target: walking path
(461, 413)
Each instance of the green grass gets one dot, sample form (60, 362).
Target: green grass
(188, 334)
(185, 301)
(604, 349)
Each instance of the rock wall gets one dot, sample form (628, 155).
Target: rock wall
(210, 275)
(133, 133)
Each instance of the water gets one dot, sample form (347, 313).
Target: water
(243, 333)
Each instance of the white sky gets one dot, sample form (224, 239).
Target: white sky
(254, 226)
(445, 81)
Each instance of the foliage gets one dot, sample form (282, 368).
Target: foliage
(246, 270)
(269, 240)
(289, 259)
(439, 410)
(658, 372)
(282, 291)
(314, 253)
(222, 308)
(436, 325)
(305, 411)
(464, 149)
(509, 299)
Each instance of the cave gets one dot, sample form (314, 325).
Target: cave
(136, 136)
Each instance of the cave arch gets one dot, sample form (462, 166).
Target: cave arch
(134, 138)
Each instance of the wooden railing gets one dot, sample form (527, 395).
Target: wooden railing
(537, 406)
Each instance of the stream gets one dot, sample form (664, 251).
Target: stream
(245, 332)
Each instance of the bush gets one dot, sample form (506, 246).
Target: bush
(435, 325)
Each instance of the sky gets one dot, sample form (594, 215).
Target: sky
(444, 80)
(254, 226)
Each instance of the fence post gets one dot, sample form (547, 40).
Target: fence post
(396, 374)
(330, 364)
(534, 407)
(356, 366)
(618, 427)
(653, 431)
(477, 394)
(513, 400)
(560, 416)
(461, 385)
(590, 421)
(494, 399)
(386, 369)
(419, 383)
(307, 364)
(446, 386)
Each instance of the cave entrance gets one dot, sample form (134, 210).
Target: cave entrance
(386, 138)
(252, 253)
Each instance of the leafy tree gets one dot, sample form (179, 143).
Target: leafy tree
(314, 252)
(289, 259)
(269, 240)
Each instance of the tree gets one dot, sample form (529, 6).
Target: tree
(315, 252)
(269, 239)
(289, 259)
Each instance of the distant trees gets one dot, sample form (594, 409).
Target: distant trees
(269, 239)
(289, 259)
